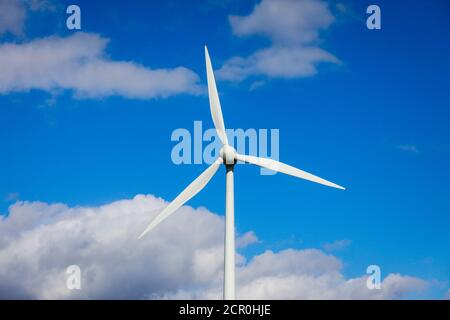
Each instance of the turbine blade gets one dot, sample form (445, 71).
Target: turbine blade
(190, 191)
(214, 103)
(286, 169)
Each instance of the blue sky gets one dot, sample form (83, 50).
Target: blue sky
(375, 122)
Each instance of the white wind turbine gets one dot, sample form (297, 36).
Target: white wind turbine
(228, 157)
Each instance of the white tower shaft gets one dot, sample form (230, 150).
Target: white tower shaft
(229, 278)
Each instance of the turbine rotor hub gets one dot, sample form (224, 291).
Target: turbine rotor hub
(228, 154)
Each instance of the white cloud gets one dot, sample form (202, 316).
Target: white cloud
(41, 5)
(246, 239)
(79, 63)
(285, 21)
(305, 274)
(337, 245)
(256, 84)
(293, 26)
(12, 16)
(38, 241)
(182, 258)
(276, 62)
(328, 285)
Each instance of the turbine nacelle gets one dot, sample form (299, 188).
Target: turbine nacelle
(228, 155)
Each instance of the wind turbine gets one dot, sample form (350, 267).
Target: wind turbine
(228, 156)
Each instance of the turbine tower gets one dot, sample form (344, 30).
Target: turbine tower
(228, 156)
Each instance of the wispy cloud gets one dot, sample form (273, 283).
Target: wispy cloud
(276, 62)
(256, 84)
(12, 196)
(293, 27)
(447, 295)
(409, 148)
(246, 239)
(13, 14)
(347, 11)
(337, 245)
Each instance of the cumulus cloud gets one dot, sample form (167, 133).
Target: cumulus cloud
(305, 274)
(79, 63)
(38, 241)
(182, 258)
(293, 26)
